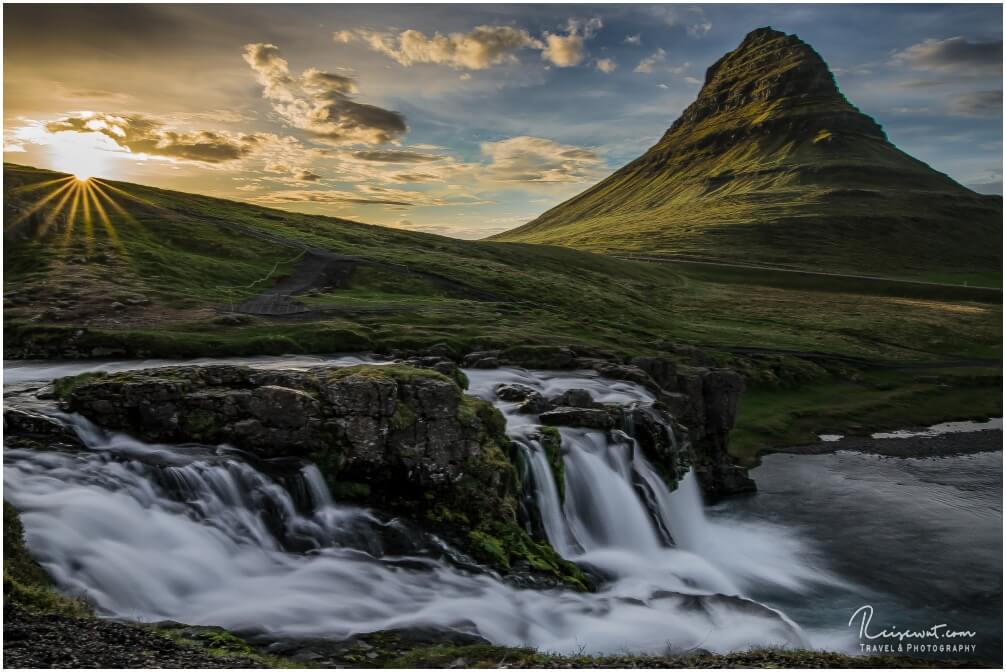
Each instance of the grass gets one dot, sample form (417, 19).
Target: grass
(874, 400)
(190, 257)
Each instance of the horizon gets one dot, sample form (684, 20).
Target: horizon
(459, 121)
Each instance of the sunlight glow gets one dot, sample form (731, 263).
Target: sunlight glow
(85, 155)
(78, 205)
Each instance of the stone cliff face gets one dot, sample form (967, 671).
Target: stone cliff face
(395, 437)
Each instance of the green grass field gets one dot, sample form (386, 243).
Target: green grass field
(158, 277)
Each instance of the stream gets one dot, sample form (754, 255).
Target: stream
(207, 535)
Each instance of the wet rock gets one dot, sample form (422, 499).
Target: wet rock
(26, 429)
(532, 401)
(575, 397)
(592, 418)
(394, 437)
(662, 370)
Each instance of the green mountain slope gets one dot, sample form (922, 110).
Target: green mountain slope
(141, 271)
(771, 164)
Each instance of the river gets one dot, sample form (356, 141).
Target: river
(203, 535)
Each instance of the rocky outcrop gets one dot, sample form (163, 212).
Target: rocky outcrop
(392, 436)
(702, 400)
(24, 428)
(382, 422)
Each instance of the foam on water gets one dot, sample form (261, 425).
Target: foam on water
(203, 535)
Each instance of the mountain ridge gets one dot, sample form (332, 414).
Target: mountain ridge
(771, 163)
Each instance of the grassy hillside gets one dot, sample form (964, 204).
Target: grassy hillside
(772, 165)
(161, 273)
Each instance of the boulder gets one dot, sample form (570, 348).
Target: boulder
(24, 428)
(531, 400)
(592, 418)
(575, 397)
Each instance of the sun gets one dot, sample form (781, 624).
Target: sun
(80, 155)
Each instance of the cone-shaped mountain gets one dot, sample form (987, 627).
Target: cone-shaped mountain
(771, 164)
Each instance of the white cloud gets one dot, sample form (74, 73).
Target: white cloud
(606, 65)
(634, 40)
(693, 18)
(481, 48)
(529, 159)
(648, 64)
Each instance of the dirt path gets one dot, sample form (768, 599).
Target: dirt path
(319, 268)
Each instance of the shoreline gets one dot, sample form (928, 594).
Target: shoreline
(943, 445)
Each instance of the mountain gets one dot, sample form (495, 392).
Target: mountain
(771, 164)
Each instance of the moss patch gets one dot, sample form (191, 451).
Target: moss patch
(551, 443)
(25, 583)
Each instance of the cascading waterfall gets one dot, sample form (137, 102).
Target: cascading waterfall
(205, 535)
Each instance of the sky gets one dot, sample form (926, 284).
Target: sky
(462, 120)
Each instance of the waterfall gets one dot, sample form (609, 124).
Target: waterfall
(205, 535)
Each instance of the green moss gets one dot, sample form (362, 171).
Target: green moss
(404, 416)
(201, 424)
(350, 491)
(551, 443)
(220, 643)
(489, 549)
(63, 387)
(399, 372)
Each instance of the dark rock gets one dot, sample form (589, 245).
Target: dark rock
(26, 429)
(395, 437)
(663, 371)
(575, 397)
(533, 401)
(474, 360)
(592, 418)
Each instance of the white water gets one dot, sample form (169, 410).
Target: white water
(200, 535)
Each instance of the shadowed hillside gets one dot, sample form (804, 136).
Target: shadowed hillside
(771, 164)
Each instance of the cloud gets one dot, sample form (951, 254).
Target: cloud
(539, 160)
(953, 53)
(692, 18)
(693, 80)
(606, 65)
(306, 176)
(396, 156)
(567, 50)
(143, 135)
(364, 195)
(320, 102)
(977, 104)
(481, 48)
(993, 187)
(648, 64)
(634, 40)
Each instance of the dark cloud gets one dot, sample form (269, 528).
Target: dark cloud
(977, 104)
(953, 53)
(142, 135)
(395, 156)
(319, 102)
(306, 176)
